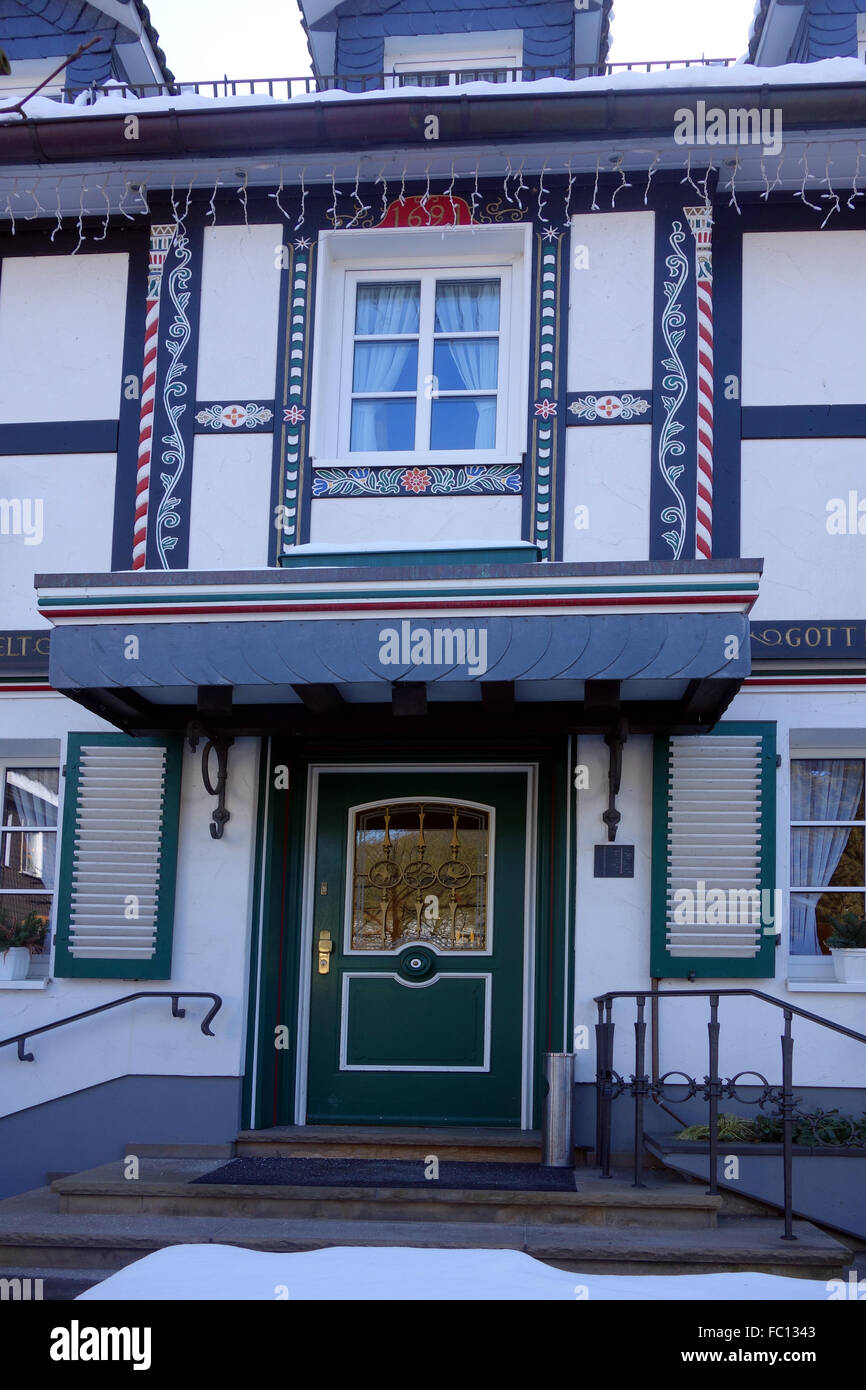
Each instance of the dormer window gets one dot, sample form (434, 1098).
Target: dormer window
(861, 37)
(448, 60)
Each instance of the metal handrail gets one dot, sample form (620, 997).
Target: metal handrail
(610, 1085)
(373, 81)
(176, 1012)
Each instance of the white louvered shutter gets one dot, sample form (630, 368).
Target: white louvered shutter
(716, 910)
(116, 893)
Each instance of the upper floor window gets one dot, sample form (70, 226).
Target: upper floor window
(447, 60)
(861, 37)
(828, 874)
(433, 357)
(425, 362)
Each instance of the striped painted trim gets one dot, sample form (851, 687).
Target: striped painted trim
(387, 597)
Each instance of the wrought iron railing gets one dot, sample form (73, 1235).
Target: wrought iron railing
(284, 88)
(176, 1012)
(641, 1087)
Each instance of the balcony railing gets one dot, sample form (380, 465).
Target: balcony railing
(285, 88)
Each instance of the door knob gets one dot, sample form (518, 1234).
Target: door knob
(326, 946)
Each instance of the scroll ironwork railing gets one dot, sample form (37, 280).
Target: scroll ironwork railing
(713, 1088)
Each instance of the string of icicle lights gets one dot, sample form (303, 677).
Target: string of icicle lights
(87, 196)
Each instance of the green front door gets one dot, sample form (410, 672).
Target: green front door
(417, 968)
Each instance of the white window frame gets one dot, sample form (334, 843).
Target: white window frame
(453, 53)
(814, 968)
(861, 37)
(39, 966)
(393, 254)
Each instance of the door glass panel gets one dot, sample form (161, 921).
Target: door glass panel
(421, 873)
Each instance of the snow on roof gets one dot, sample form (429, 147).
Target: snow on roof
(709, 78)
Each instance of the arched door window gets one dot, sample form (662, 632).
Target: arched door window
(420, 873)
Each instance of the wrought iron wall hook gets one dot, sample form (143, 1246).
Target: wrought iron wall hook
(221, 744)
(615, 739)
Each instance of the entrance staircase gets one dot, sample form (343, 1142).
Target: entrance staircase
(83, 1227)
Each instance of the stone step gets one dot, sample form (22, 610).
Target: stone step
(83, 1250)
(454, 1143)
(167, 1187)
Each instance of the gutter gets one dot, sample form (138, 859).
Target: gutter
(338, 124)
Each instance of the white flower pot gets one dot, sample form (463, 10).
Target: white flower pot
(850, 965)
(15, 962)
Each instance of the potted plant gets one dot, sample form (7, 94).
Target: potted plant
(848, 947)
(17, 941)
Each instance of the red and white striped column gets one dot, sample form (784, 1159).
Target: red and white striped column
(701, 223)
(161, 238)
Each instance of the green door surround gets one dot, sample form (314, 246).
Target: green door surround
(278, 1020)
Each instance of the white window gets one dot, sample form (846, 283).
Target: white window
(28, 844)
(431, 365)
(447, 60)
(828, 874)
(861, 37)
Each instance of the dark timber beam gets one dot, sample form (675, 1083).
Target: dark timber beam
(319, 697)
(601, 696)
(409, 699)
(213, 702)
(497, 696)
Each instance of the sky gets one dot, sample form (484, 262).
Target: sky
(202, 39)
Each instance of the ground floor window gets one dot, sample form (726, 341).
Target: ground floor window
(828, 875)
(28, 844)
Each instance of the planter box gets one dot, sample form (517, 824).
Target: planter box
(15, 962)
(850, 965)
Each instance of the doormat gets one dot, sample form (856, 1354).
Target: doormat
(365, 1172)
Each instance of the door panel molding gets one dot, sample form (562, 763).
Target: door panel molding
(348, 976)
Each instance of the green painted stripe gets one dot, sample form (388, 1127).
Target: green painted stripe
(382, 594)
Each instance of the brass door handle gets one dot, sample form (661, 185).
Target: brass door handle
(326, 946)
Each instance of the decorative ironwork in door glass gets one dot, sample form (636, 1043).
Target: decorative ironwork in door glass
(420, 874)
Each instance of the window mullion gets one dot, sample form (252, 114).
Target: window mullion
(425, 362)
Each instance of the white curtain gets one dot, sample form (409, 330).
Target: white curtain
(821, 789)
(381, 309)
(472, 307)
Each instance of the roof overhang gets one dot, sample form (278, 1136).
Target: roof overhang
(346, 649)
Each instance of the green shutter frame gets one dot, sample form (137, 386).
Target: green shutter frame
(762, 965)
(158, 967)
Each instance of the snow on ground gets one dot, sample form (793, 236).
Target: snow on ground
(352, 1273)
(740, 74)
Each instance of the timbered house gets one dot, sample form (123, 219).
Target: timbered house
(433, 517)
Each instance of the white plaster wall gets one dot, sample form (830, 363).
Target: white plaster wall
(61, 337)
(237, 355)
(231, 488)
(610, 325)
(76, 493)
(786, 487)
(607, 470)
(211, 949)
(612, 914)
(612, 929)
(804, 306)
(36, 715)
(402, 522)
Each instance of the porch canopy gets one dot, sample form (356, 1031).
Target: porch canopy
(357, 644)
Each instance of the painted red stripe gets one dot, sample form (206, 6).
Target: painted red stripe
(406, 606)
